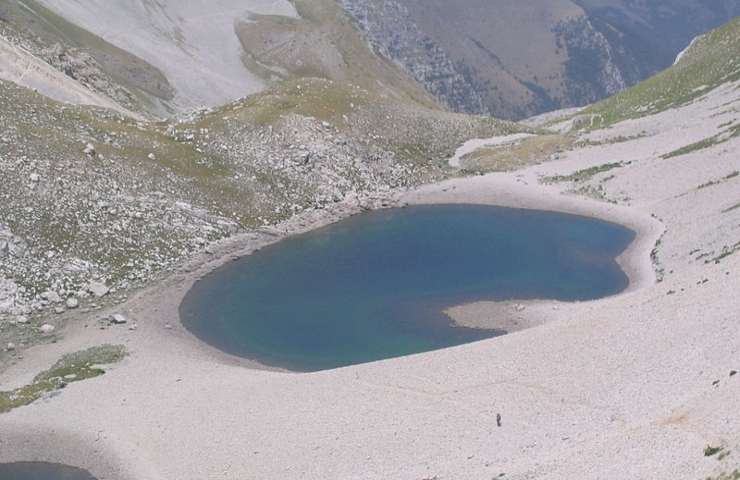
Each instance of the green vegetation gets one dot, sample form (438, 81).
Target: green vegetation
(70, 368)
(610, 141)
(324, 100)
(713, 60)
(710, 451)
(717, 182)
(721, 137)
(583, 175)
(510, 157)
(734, 475)
(727, 251)
(694, 147)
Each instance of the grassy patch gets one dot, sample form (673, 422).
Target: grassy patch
(717, 182)
(726, 252)
(70, 368)
(722, 137)
(510, 157)
(693, 147)
(734, 475)
(710, 451)
(582, 175)
(611, 140)
(312, 98)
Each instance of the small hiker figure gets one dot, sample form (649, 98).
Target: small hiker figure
(498, 419)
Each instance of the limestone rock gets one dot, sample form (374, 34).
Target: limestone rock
(51, 296)
(98, 289)
(47, 328)
(8, 291)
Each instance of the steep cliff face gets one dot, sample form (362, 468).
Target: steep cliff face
(395, 35)
(513, 60)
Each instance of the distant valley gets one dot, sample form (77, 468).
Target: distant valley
(516, 59)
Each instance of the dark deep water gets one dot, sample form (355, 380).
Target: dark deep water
(41, 471)
(374, 286)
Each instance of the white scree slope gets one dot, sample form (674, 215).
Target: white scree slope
(191, 41)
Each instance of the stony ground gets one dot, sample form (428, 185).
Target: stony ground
(95, 204)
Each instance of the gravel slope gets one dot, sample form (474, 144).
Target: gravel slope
(192, 42)
(633, 386)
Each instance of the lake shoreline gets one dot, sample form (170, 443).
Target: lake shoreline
(520, 192)
(160, 333)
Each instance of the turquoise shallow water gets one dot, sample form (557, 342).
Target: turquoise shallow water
(41, 471)
(375, 286)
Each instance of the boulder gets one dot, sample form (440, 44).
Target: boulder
(10, 244)
(46, 328)
(98, 289)
(118, 319)
(72, 303)
(51, 296)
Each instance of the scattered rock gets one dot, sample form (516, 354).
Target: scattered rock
(72, 303)
(34, 177)
(151, 157)
(11, 245)
(10, 347)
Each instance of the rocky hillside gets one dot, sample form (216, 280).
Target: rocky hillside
(167, 57)
(95, 202)
(514, 59)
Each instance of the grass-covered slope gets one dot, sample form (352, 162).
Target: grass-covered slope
(711, 61)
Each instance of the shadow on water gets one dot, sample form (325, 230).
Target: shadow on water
(375, 286)
(41, 471)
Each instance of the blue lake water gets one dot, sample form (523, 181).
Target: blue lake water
(41, 471)
(375, 286)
